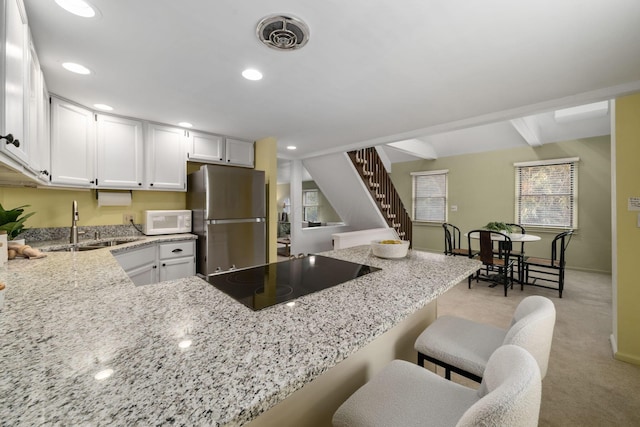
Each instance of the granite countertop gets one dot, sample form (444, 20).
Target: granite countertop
(71, 315)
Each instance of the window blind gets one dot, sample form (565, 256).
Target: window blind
(546, 195)
(430, 197)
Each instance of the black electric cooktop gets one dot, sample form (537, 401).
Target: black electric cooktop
(278, 282)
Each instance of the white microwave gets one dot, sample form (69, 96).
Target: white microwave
(166, 222)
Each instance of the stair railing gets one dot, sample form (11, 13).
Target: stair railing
(377, 180)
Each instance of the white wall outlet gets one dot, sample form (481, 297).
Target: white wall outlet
(454, 208)
(128, 218)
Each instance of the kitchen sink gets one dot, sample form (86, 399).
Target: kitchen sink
(94, 246)
(106, 244)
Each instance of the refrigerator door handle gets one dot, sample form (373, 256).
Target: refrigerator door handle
(233, 221)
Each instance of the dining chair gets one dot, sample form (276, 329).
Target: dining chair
(464, 346)
(404, 394)
(548, 269)
(453, 242)
(500, 263)
(518, 253)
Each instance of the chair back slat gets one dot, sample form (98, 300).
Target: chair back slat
(486, 245)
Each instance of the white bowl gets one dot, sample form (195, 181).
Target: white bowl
(390, 248)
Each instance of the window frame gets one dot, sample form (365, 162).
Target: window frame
(306, 205)
(414, 184)
(573, 161)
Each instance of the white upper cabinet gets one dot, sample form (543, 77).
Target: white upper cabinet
(120, 152)
(165, 155)
(44, 133)
(72, 144)
(239, 153)
(37, 118)
(14, 40)
(204, 147)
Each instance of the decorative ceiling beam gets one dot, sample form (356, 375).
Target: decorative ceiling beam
(529, 129)
(416, 147)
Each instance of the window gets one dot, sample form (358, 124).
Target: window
(430, 196)
(310, 205)
(546, 193)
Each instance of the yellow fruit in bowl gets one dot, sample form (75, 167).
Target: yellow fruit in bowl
(391, 242)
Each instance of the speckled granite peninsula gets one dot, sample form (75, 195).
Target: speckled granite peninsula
(72, 315)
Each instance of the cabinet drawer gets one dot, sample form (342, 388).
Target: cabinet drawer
(177, 249)
(137, 257)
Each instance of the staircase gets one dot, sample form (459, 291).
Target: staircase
(375, 177)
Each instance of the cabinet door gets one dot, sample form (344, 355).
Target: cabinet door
(140, 264)
(72, 144)
(144, 275)
(15, 80)
(134, 258)
(119, 158)
(177, 268)
(37, 118)
(205, 148)
(44, 132)
(166, 159)
(239, 153)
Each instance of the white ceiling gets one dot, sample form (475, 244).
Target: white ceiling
(371, 73)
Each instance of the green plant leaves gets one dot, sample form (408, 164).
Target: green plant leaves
(11, 222)
(498, 226)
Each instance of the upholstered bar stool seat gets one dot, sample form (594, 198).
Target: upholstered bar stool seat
(460, 343)
(404, 394)
(464, 346)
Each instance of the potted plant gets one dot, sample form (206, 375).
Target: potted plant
(12, 222)
(500, 227)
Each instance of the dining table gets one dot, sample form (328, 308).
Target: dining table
(515, 238)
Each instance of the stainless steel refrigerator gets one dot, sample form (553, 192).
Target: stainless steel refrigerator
(228, 205)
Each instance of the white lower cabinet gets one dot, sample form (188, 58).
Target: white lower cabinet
(159, 262)
(177, 260)
(140, 264)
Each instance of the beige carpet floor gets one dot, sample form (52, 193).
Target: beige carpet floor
(585, 385)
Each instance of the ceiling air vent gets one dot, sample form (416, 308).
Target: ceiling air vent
(283, 32)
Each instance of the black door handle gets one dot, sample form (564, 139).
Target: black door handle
(10, 140)
(176, 250)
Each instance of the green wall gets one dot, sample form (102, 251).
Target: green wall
(482, 186)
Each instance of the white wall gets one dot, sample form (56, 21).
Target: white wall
(339, 182)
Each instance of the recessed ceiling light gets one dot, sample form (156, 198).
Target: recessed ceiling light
(291, 147)
(76, 68)
(251, 74)
(77, 7)
(185, 124)
(103, 107)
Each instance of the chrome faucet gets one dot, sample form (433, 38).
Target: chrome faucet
(73, 237)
